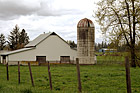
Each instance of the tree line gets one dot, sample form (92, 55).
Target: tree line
(99, 46)
(103, 44)
(112, 45)
(72, 44)
(16, 40)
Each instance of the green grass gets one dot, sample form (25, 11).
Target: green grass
(94, 78)
(112, 58)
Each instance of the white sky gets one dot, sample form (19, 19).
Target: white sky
(38, 16)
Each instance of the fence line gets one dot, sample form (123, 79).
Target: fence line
(7, 72)
(31, 74)
(49, 73)
(109, 62)
(78, 75)
(18, 73)
(40, 63)
(128, 79)
(127, 67)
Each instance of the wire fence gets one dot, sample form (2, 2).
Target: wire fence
(60, 77)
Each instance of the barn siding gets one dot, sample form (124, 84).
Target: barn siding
(23, 56)
(54, 47)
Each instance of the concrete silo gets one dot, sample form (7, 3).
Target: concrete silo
(85, 41)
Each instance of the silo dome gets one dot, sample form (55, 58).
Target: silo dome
(85, 23)
(85, 41)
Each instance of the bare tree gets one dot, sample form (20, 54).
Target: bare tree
(120, 21)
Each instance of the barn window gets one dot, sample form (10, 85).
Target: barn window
(41, 59)
(65, 59)
(4, 59)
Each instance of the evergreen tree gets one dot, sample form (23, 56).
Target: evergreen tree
(14, 38)
(2, 41)
(17, 39)
(24, 38)
(72, 44)
(102, 44)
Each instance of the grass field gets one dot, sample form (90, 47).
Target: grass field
(95, 79)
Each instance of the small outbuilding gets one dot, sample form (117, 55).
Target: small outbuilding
(46, 47)
(106, 50)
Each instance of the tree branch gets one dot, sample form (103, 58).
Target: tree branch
(129, 20)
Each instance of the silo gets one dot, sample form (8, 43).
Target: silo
(85, 41)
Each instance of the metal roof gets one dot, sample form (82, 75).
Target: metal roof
(16, 51)
(108, 49)
(85, 23)
(38, 39)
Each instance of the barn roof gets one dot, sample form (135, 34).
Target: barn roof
(38, 39)
(16, 51)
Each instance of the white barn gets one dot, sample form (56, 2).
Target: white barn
(46, 47)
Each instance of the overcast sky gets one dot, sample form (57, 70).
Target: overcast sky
(38, 16)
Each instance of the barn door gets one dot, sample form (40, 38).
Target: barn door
(4, 60)
(41, 59)
(65, 59)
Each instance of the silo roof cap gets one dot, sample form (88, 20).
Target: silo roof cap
(85, 23)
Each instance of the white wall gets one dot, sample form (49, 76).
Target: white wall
(28, 55)
(53, 47)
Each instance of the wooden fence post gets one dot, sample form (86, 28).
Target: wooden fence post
(18, 73)
(31, 74)
(7, 71)
(128, 79)
(78, 75)
(49, 73)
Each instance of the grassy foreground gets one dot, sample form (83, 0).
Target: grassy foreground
(95, 79)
